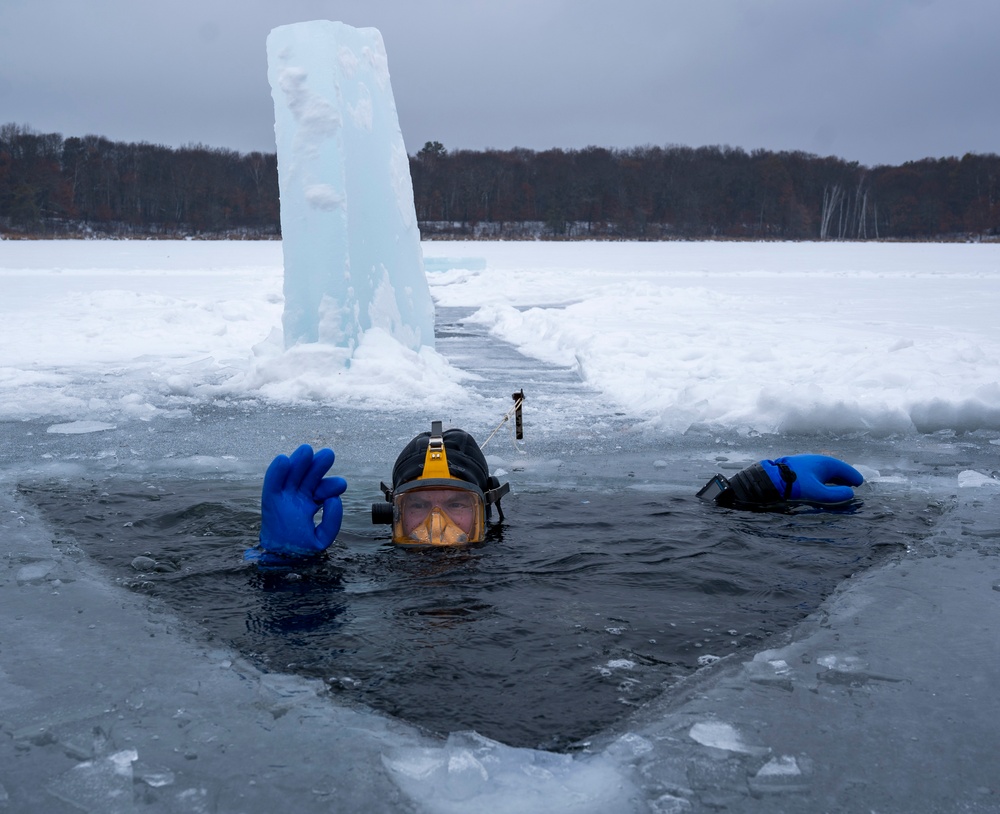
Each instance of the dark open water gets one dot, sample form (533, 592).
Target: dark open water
(579, 608)
(608, 581)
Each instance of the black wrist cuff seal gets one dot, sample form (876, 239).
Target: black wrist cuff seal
(750, 488)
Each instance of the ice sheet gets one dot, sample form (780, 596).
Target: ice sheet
(765, 337)
(883, 701)
(131, 715)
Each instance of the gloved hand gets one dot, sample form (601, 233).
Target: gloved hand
(817, 480)
(294, 490)
(807, 479)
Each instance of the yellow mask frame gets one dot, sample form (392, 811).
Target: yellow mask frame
(438, 513)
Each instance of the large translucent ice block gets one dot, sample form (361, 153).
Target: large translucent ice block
(349, 229)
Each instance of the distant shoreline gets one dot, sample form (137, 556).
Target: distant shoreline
(18, 236)
(87, 187)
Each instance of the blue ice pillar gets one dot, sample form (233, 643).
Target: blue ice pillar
(349, 229)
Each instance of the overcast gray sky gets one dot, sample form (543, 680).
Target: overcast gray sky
(874, 81)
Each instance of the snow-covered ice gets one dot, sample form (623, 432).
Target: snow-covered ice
(791, 338)
(884, 699)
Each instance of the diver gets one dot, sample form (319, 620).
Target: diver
(442, 495)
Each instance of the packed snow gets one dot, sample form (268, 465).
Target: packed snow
(766, 337)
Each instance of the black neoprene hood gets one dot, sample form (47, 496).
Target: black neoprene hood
(465, 459)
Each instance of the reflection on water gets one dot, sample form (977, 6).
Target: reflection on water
(576, 611)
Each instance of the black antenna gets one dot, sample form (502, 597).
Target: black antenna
(518, 418)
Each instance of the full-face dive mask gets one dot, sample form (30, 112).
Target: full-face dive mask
(441, 492)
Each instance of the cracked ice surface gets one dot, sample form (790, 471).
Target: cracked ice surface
(884, 699)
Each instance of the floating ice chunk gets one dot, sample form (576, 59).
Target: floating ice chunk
(720, 735)
(869, 473)
(781, 765)
(969, 478)
(849, 670)
(99, 785)
(349, 230)
(157, 779)
(80, 427)
(770, 667)
(608, 669)
(473, 773)
(780, 774)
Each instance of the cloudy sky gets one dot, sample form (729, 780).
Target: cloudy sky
(874, 81)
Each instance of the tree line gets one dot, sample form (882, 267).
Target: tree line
(51, 186)
(682, 192)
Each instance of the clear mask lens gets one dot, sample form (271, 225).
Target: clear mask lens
(438, 516)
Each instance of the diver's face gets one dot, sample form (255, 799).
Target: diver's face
(458, 505)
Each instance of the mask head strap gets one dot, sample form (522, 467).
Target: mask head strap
(436, 460)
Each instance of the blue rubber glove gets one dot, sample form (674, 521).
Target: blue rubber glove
(294, 490)
(813, 476)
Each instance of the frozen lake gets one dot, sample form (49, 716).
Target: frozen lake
(620, 647)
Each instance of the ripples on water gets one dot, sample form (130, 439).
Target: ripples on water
(581, 607)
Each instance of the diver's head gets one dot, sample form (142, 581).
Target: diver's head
(441, 490)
